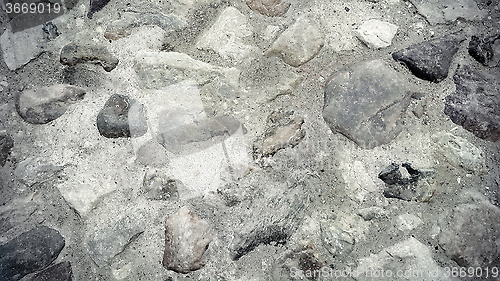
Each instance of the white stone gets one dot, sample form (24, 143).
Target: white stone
(376, 34)
(358, 182)
(459, 152)
(407, 222)
(21, 47)
(443, 11)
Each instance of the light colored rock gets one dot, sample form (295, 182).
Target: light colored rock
(337, 241)
(270, 32)
(376, 34)
(186, 239)
(407, 222)
(226, 36)
(443, 11)
(299, 43)
(21, 47)
(281, 136)
(270, 8)
(459, 152)
(129, 21)
(372, 213)
(358, 182)
(35, 170)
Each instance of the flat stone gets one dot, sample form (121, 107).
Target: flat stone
(337, 241)
(459, 152)
(42, 105)
(446, 11)
(486, 50)
(187, 237)
(21, 47)
(430, 60)
(376, 34)
(299, 43)
(59, 272)
(74, 53)
(6, 144)
(366, 102)
(283, 131)
(372, 213)
(475, 105)
(36, 170)
(270, 8)
(29, 252)
(121, 117)
(96, 6)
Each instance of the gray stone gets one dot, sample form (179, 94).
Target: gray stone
(376, 34)
(151, 154)
(365, 103)
(338, 242)
(50, 31)
(430, 60)
(29, 252)
(121, 117)
(446, 11)
(270, 8)
(459, 152)
(156, 186)
(19, 48)
(372, 213)
(475, 105)
(6, 144)
(303, 257)
(96, 6)
(299, 43)
(486, 50)
(187, 237)
(74, 53)
(42, 105)
(414, 187)
(59, 272)
(283, 131)
(36, 170)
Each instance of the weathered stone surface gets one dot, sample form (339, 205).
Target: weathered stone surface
(186, 239)
(407, 222)
(299, 43)
(366, 103)
(337, 241)
(74, 53)
(29, 252)
(372, 213)
(59, 272)
(6, 144)
(430, 60)
(486, 50)
(125, 26)
(35, 170)
(303, 257)
(156, 186)
(471, 234)
(459, 152)
(42, 105)
(283, 131)
(413, 187)
(96, 6)
(445, 11)
(121, 117)
(376, 34)
(19, 48)
(270, 8)
(50, 31)
(475, 105)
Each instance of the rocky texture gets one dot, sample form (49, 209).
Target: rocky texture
(365, 103)
(376, 34)
(227, 35)
(459, 152)
(270, 8)
(29, 252)
(445, 11)
(407, 222)
(121, 117)
(75, 53)
(372, 213)
(299, 43)
(50, 31)
(186, 239)
(19, 48)
(6, 144)
(156, 186)
(59, 272)
(431, 60)
(337, 241)
(486, 50)
(129, 21)
(475, 105)
(96, 6)
(42, 105)
(303, 257)
(283, 131)
(413, 187)
(36, 170)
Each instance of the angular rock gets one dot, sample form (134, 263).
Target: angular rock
(270, 8)
(365, 103)
(376, 34)
(159, 187)
(6, 144)
(19, 48)
(29, 252)
(337, 241)
(36, 170)
(459, 152)
(299, 43)
(59, 272)
(303, 257)
(50, 31)
(42, 105)
(475, 105)
(121, 117)
(486, 50)
(407, 222)
(74, 53)
(125, 26)
(414, 187)
(446, 11)
(96, 6)
(186, 239)
(283, 131)
(430, 60)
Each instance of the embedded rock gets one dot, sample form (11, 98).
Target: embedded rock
(459, 152)
(29, 252)
(74, 53)
(59, 272)
(6, 144)
(299, 43)
(35, 170)
(486, 50)
(372, 213)
(186, 239)
(96, 6)
(156, 186)
(19, 48)
(447, 11)
(270, 8)
(365, 103)
(337, 241)
(475, 105)
(42, 105)
(414, 187)
(376, 34)
(303, 256)
(283, 131)
(121, 117)
(50, 31)
(430, 60)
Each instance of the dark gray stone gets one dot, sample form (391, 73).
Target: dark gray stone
(59, 272)
(6, 144)
(431, 60)
(96, 6)
(486, 50)
(303, 256)
(121, 117)
(50, 31)
(366, 103)
(413, 187)
(74, 53)
(475, 105)
(29, 252)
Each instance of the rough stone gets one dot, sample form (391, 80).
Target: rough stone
(19, 48)
(121, 117)
(96, 6)
(431, 60)
(187, 237)
(407, 222)
(283, 131)
(59, 272)
(270, 8)
(475, 105)
(459, 152)
(35, 170)
(29, 252)
(486, 50)
(337, 241)
(42, 105)
(372, 213)
(159, 187)
(414, 187)
(376, 34)
(6, 144)
(365, 103)
(446, 11)
(50, 31)
(299, 43)
(75, 53)
(303, 257)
